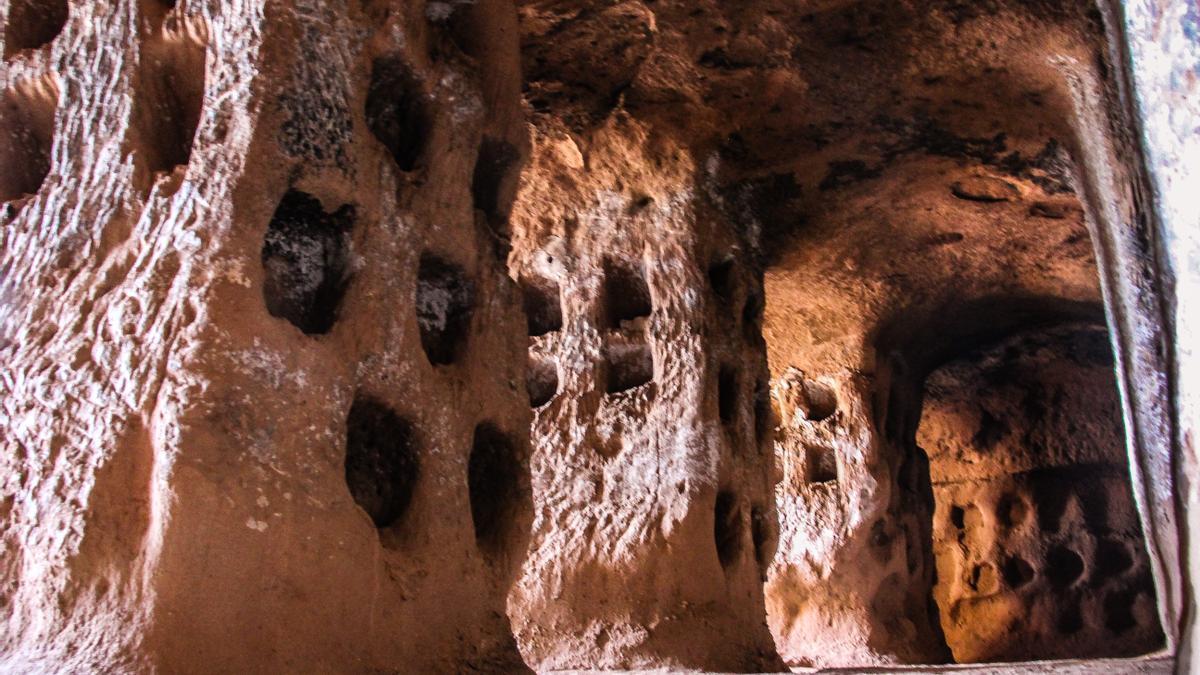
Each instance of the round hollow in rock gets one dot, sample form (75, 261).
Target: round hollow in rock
(33, 23)
(381, 461)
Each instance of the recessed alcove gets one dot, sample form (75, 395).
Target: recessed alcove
(27, 112)
(382, 462)
(495, 489)
(305, 259)
(397, 111)
(32, 24)
(445, 301)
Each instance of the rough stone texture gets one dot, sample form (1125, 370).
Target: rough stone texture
(213, 343)
(270, 402)
(1037, 540)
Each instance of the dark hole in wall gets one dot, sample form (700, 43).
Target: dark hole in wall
(727, 393)
(1118, 611)
(1070, 619)
(543, 306)
(728, 528)
(489, 181)
(752, 314)
(397, 112)
(1016, 571)
(1112, 558)
(822, 464)
(764, 415)
(816, 401)
(626, 294)
(1011, 511)
(33, 23)
(542, 381)
(1063, 566)
(26, 137)
(628, 366)
(169, 99)
(495, 487)
(721, 278)
(381, 461)
(445, 302)
(304, 259)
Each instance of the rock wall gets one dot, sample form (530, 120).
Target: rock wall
(263, 385)
(370, 334)
(1038, 544)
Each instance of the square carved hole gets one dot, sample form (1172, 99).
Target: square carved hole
(626, 293)
(543, 306)
(304, 258)
(821, 464)
(628, 366)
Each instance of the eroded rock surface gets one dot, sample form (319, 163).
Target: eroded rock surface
(362, 335)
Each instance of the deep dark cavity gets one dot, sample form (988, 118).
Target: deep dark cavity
(382, 465)
(728, 528)
(495, 486)
(727, 393)
(33, 24)
(628, 366)
(397, 111)
(721, 278)
(445, 302)
(305, 261)
(1016, 572)
(543, 306)
(626, 294)
(1063, 566)
(491, 182)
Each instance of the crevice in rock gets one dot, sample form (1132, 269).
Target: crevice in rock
(397, 111)
(33, 23)
(494, 486)
(382, 464)
(305, 261)
(444, 302)
(27, 127)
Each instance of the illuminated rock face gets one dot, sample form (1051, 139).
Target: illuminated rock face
(371, 335)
